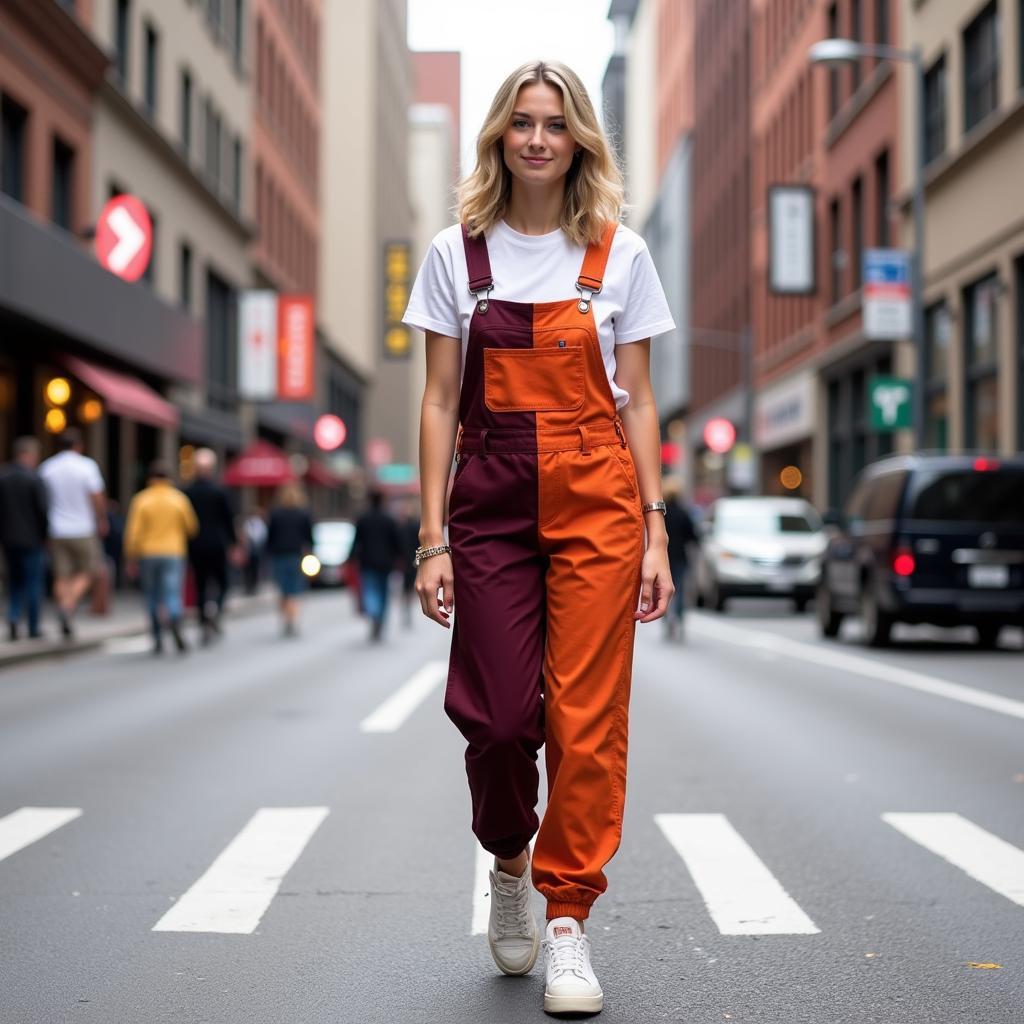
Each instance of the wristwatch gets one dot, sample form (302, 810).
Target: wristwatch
(422, 554)
(654, 506)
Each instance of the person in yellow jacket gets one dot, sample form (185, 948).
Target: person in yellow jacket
(160, 522)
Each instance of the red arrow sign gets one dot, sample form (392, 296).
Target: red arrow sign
(124, 237)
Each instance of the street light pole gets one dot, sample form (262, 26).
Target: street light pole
(845, 51)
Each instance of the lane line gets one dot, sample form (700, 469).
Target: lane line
(742, 896)
(985, 857)
(392, 714)
(235, 891)
(28, 825)
(858, 665)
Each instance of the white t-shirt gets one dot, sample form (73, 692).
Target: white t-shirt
(71, 479)
(631, 305)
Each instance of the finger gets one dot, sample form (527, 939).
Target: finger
(646, 596)
(448, 589)
(662, 596)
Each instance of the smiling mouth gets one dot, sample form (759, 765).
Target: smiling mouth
(537, 159)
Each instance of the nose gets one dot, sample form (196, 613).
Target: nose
(537, 140)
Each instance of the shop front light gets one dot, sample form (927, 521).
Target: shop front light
(90, 410)
(58, 391)
(56, 420)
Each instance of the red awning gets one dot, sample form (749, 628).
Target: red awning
(124, 395)
(318, 473)
(262, 464)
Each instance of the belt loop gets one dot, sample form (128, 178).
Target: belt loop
(483, 445)
(584, 446)
(619, 431)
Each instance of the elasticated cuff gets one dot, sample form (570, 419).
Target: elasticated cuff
(581, 911)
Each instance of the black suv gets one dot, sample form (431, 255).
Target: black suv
(929, 538)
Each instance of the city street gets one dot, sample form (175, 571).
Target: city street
(814, 832)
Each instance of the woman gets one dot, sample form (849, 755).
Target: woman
(289, 537)
(538, 310)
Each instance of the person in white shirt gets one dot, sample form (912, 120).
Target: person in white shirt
(78, 519)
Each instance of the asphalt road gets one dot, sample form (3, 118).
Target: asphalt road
(813, 833)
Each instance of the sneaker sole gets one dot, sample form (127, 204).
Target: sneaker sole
(522, 970)
(573, 1004)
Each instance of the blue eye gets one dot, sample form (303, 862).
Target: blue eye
(520, 123)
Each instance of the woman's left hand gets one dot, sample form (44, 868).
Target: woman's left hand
(656, 586)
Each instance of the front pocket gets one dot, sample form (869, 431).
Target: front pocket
(625, 460)
(533, 379)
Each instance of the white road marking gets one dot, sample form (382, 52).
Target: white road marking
(482, 891)
(28, 825)
(742, 896)
(128, 645)
(391, 715)
(822, 655)
(235, 891)
(985, 857)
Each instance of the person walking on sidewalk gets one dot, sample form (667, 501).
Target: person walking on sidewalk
(681, 534)
(23, 525)
(160, 522)
(77, 523)
(377, 549)
(289, 537)
(208, 551)
(538, 310)
(409, 535)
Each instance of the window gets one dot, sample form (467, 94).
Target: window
(836, 246)
(935, 110)
(186, 110)
(882, 22)
(883, 497)
(857, 204)
(149, 276)
(239, 31)
(981, 66)
(833, 74)
(152, 69)
(937, 332)
(856, 34)
(122, 33)
(185, 276)
(214, 14)
(220, 342)
(236, 172)
(62, 184)
(214, 141)
(882, 187)
(1019, 274)
(13, 121)
(981, 362)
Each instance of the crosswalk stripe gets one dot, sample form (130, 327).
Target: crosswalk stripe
(985, 857)
(742, 896)
(391, 715)
(235, 891)
(28, 825)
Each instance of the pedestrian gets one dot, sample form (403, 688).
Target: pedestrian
(377, 549)
(255, 529)
(113, 542)
(209, 550)
(681, 534)
(23, 526)
(77, 522)
(409, 539)
(289, 538)
(160, 523)
(538, 308)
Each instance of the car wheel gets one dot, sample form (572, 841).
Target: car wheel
(800, 603)
(988, 635)
(877, 624)
(829, 620)
(715, 598)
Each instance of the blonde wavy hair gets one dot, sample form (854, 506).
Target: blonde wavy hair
(593, 186)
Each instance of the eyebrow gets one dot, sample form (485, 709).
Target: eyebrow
(550, 117)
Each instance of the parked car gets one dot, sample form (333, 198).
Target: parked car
(929, 538)
(753, 547)
(332, 544)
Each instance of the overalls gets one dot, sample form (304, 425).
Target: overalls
(547, 539)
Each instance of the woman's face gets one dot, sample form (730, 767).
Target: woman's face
(537, 146)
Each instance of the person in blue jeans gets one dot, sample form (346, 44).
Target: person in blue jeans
(681, 534)
(289, 537)
(377, 549)
(23, 528)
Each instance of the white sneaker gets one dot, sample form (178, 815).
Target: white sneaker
(570, 984)
(512, 931)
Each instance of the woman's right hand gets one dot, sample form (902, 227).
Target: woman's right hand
(436, 575)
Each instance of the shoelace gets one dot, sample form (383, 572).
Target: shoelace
(512, 910)
(567, 955)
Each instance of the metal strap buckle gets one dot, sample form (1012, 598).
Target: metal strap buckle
(586, 296)
(482, 304)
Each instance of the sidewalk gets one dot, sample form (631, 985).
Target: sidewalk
(127, 618)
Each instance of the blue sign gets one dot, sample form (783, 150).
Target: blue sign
(886, 295)
(887, 267)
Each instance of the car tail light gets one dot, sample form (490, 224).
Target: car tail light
(984, 465)
(903, 563)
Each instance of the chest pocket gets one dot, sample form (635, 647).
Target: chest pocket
(534, 379)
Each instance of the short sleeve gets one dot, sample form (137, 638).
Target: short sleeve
(432, 305)
(96, 485)
(645, 312)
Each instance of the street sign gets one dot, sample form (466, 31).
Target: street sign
(295, 348)
(378, 451)
(124, 237)
(886, 295)
(257, 345)
(890, 401)
(396, 473)
(397, 337)
(791, 240)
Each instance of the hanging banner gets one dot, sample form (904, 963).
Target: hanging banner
(296, 343)
(791, 240)
(257, 346)
(886, 303)
(397, 337)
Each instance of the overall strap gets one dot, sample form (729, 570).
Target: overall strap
(591, 276)
(479, 265)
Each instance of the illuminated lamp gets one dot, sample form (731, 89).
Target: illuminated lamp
(791, 478)
(719, 435)
(56, 420)
(90, 410)
(58, 391)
